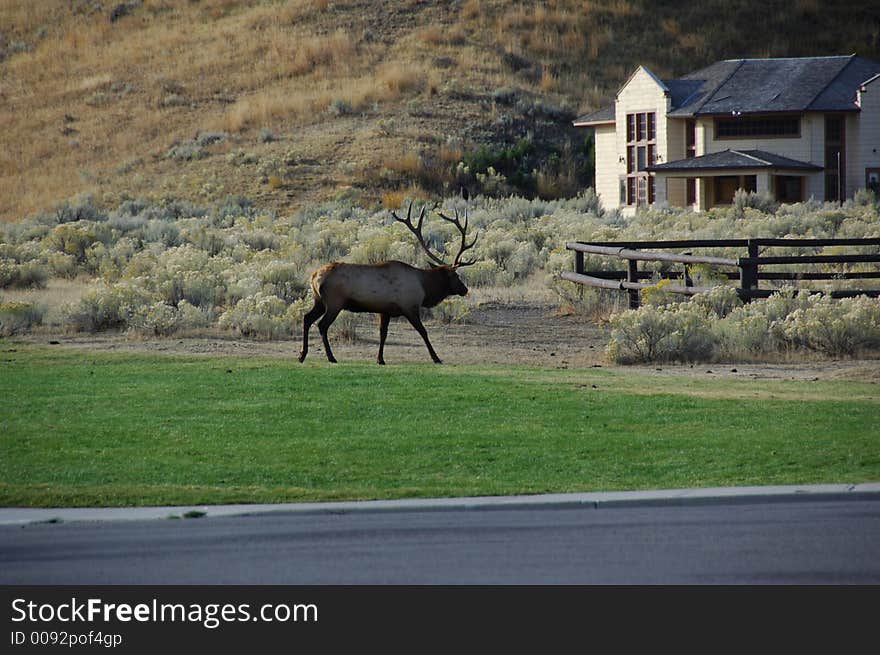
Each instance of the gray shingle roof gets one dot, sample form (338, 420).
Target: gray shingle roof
(735, 160)
(604, 115)
(772, 85)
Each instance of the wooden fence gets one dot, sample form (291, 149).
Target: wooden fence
(750, 266)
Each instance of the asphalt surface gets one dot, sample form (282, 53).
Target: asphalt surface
(827, 534)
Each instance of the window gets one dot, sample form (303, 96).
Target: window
(835, 157)
(690, 150)
(725, 188)
(872, 180)
(641, 151)
(789, 188)
(690, 139)
(768, 126)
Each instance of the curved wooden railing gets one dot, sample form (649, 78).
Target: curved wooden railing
(749, 266)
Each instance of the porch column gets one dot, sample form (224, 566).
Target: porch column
(763, 182)
(660, 189)
(702, 190)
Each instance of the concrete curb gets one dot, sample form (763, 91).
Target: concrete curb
(595, 500)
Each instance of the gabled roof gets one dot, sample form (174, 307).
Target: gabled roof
(750, 86)
(647, 72)
(599, 117)
(843, 90)
(606, 115)
(760, 86)
(735, 160)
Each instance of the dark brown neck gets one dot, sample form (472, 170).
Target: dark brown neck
(435, 282)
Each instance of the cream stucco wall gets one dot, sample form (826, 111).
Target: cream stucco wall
(606, 166)
(644, 92)
(676, 188)
(864, 140)
(808, 147)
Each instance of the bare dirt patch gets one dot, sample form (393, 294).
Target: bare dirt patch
(527, 334)
(495, 333)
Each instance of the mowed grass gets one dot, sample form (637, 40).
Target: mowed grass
(83, 428)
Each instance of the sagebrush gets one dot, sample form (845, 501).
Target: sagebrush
(160, 268)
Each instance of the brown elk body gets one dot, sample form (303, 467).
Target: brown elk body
(389, 289)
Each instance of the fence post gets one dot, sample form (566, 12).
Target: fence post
(579, 269)
(748, 273)
(632, 275)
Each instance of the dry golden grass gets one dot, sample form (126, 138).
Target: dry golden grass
(129, 88)
(409, 164)
(392, 199)
(471, 10)
(597, 41)
(301, 56)
(548, 82)
(431, 34)
(58, 293)
(399, 78)
(449, 154)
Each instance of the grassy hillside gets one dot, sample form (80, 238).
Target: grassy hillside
(294, 102)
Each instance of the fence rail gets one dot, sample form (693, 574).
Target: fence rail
(748, 275)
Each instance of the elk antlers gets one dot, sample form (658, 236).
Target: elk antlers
(461, 227)
(465, 246)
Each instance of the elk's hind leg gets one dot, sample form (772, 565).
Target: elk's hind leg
(384, 319)
(323, 325)
(311, 316)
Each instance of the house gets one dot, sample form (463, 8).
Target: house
(798, 128)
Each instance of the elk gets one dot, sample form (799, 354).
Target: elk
(388, 288)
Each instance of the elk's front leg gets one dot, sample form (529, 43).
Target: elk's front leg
(416, 322)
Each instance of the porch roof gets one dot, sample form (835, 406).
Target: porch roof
(602, 116)
(734, 160)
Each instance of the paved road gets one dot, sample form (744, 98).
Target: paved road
(807, 541)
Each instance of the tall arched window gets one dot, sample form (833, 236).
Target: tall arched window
(641, 151)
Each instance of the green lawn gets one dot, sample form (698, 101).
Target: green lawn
(84, 428)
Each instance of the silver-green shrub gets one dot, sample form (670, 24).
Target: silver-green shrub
(107, 307)
(158, 319)
(836, 328)
(714, 326)
(452, 310)
(260, 316)
(676, 332)
(17, 317)
(284, 280)
(214, 257)
(763, 202)
(161, 319)
(28, 275)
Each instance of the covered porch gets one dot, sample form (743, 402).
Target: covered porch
(712, 180)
